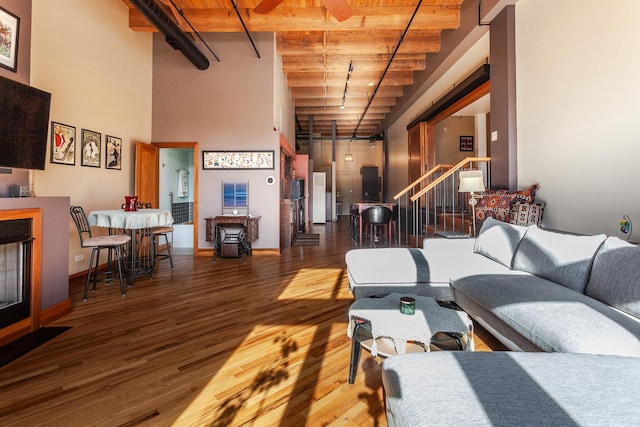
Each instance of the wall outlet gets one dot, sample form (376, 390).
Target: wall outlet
(79, 257)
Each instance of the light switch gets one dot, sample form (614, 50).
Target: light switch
(494, 136)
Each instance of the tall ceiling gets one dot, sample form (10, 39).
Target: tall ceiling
(318, 51)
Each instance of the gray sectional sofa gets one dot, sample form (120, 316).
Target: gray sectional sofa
(535, 290)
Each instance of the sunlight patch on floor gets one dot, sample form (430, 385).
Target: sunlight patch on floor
(260, 374)
(308, 281)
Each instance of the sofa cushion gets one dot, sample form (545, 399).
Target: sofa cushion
(424, 272)
(615, 276)
(561, 258)
(510, 389)
(499, 240)
(553, 317)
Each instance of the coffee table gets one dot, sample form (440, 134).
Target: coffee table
(378, 325)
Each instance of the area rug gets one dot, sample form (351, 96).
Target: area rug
(11, 351)
(307, 239)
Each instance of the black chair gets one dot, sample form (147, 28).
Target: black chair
(112, 242)
(231, 242)
(376, 225)
(354, 223)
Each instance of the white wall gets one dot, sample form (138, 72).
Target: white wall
(283, 109)
(99, 74)
(229, 106)
(577, 91)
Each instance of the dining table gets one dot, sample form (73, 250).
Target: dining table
(361, 207)
(138, 224)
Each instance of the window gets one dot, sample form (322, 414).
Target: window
(235, 198)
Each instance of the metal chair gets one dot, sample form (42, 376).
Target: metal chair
(112, 242)
(154, 236)
(374, 219)
(354, 223)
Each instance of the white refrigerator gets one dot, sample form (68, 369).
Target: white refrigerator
(319, 197)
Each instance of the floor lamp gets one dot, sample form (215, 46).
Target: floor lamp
(472, 182)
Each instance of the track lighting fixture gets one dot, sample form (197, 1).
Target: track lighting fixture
(346, 87)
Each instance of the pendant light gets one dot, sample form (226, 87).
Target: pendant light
(348, 157)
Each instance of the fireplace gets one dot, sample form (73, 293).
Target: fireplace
(20, 258)
(15, 271)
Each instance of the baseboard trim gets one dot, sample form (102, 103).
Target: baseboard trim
(55, 312)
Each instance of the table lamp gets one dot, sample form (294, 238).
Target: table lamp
(472, 182)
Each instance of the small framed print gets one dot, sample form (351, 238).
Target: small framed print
(466, 143)
(113, 152)
(9, 29)
(63, 144)
(91, 142)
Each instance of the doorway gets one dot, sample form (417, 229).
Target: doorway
(178, 192)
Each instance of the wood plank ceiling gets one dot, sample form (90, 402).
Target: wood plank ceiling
(317, 51)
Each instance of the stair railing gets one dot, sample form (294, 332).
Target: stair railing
(412, 219)
(436, 194)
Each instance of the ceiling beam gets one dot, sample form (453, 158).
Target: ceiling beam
(430, 17)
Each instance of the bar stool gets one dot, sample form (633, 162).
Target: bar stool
(112, 242)
(156, 233)
(374, 219)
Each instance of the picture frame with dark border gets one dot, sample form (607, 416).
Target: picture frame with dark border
(91, 148)
(113, 152)
(238, 159)
(466, 143)
(9, 37)
(63, 144)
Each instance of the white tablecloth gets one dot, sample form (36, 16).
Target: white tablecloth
(118, 218)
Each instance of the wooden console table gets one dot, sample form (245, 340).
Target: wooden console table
(251, 222)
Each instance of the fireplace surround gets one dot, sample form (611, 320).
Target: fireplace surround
(20, 272)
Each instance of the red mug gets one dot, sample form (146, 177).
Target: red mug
(130, 203)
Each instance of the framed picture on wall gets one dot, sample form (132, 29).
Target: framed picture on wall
(9, 29)
(466, 143)
(238, 159)
(113, 152)
(91, 142)
(63, 144)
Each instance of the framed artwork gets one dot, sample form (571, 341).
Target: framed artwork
(91, 143)
(63, 144)
(466, 143)
(9, 29)
(238, 159)
(113, 152)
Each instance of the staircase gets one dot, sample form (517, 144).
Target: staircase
(431, 206)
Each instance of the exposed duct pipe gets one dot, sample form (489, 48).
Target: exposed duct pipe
(176, 38)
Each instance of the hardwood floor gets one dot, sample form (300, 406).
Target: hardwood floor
(257, 344)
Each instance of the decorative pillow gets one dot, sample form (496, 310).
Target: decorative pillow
(527, 214)
(498, 204)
